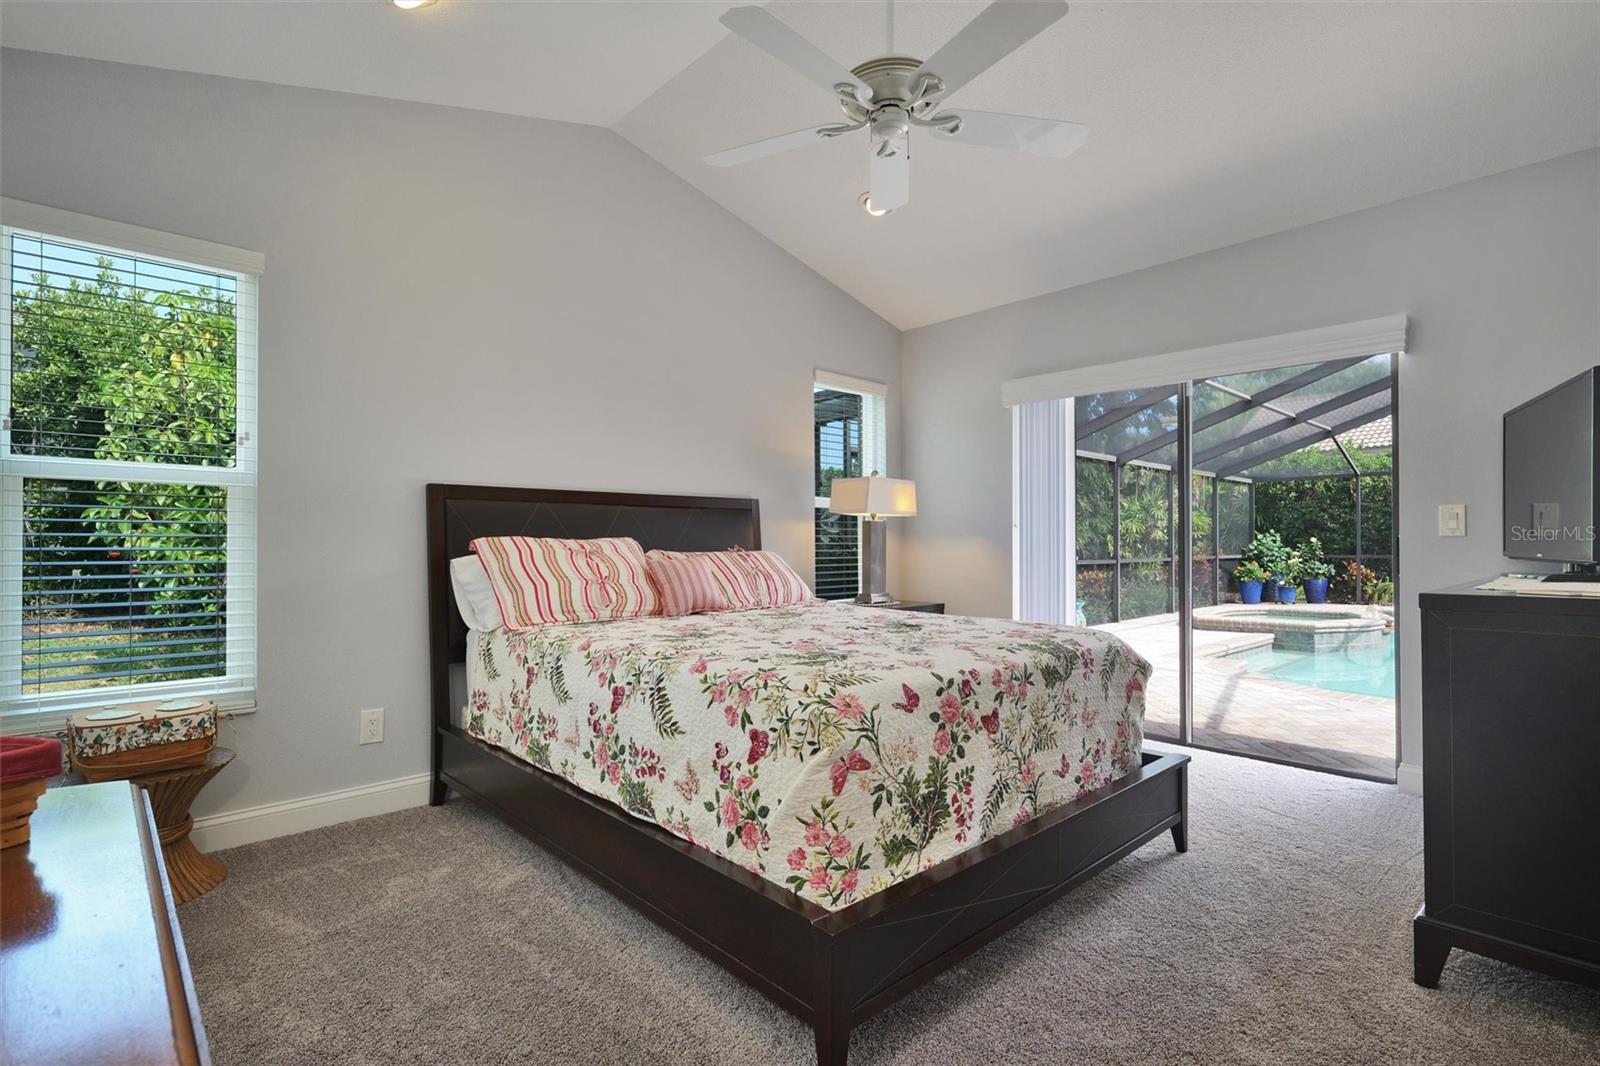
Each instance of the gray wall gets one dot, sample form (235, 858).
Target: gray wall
(450, 296)
(1500, 278)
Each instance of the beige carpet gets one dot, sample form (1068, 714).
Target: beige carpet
(438, 936)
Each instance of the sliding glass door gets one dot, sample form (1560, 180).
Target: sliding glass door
(1130, 571)
(1237, 531)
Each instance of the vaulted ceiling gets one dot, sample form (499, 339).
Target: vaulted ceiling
(1210, 123)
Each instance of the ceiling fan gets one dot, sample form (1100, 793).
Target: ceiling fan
(891, 94)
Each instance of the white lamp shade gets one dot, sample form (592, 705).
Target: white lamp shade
(881, 497)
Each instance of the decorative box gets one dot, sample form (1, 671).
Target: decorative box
(141, 738)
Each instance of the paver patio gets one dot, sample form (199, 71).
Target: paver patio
(1238, 711)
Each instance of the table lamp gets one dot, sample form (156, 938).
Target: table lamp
(874, 498)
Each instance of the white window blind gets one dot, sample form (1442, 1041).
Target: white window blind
(849, 418)
(127, 474)
(1044, 572)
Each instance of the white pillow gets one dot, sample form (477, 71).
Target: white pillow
(474, 594)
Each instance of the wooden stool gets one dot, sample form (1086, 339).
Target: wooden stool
(172, 792)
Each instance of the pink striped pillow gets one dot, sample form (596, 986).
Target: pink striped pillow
(757, 579)
(557, 581)
(685, 582)
(736, 580)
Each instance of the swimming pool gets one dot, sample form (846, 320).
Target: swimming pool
(1365, 671)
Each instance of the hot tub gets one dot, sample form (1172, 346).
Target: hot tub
(1300, 627)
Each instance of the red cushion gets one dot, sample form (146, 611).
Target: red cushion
(28, 758)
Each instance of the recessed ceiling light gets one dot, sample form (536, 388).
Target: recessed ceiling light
(865, 200)
(411, 5)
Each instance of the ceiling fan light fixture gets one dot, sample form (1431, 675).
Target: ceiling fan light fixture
(411, 5)
(865, 200)
(891, 94)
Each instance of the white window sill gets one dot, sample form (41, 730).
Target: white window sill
(33, 723)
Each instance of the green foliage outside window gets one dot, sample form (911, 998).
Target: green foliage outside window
(1149, 518)
(1325, 508)
(105, 370)
(1298, 511)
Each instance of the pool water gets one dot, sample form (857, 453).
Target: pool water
(1367, 671)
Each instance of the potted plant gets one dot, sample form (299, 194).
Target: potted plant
(1251, 576)
(1268, 551)
(1315, 571)
(1293, 574)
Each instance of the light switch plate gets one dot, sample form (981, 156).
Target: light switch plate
(1452, 520)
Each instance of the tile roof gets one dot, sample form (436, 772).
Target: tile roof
(1379, 433)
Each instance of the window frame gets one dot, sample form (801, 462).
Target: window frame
(874, 438)
(235, 690)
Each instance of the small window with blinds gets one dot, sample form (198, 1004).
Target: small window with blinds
(848, 425)
(127, 477)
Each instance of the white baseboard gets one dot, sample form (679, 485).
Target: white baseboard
(1408, 775)
(250, 824)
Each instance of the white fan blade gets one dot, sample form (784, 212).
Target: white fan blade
(889, 181)
(732, 157)
(1020, 133)
(1000, 29)
(764, 30)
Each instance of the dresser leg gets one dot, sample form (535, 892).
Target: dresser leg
(1180, 832)
(1430, 949)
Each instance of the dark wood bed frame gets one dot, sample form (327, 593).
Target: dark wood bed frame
(833, 969)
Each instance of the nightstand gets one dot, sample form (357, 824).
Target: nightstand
(920, 606)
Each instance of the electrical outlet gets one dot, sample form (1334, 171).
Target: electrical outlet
(372, 726)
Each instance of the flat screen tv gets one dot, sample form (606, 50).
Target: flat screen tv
(1552, 476)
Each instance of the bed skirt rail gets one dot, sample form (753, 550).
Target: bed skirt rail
(833, 969)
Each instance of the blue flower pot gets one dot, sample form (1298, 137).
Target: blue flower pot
(1269, 590)
(1287, 593)
(1250, 591)
(1316, 590)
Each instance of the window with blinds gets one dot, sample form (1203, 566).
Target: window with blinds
(127, 477)
(848, 425)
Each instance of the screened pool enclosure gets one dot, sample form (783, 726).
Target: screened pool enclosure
(1304, 450)
(1301, 457)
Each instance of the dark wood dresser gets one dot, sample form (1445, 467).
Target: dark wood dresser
(1511, 781)
(91, 959)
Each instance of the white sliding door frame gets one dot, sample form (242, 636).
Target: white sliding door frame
(1371, 337)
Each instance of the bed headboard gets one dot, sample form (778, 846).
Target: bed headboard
(459, 513)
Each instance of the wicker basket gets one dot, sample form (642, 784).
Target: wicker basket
(26, 763)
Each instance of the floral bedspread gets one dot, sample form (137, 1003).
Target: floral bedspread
(830, 748)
